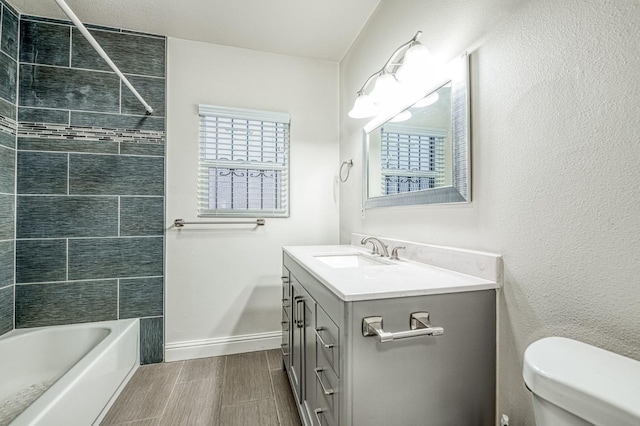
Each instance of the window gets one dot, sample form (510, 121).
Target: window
(244, 163)
(411, 160)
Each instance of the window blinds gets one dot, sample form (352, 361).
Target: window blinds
(411, 161)
(243, 163)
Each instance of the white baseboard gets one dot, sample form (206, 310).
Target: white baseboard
(218, 346)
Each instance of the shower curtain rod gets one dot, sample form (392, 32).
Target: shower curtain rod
(66, 9)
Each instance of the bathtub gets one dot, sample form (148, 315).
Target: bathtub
(65, 375)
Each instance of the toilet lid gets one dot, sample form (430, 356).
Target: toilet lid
(597, 385)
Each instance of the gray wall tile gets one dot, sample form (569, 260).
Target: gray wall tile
(7, 140)
(42, 173)
(7, 170)
(141, 297)
(6, 263)
(104, 175)
(9, 41)
(114, 121)
(41, 261)
(8, 74)
(43, 43)
(6, 217)
(131, 53)
(6, 309)
(115, 258)
(67, 145)
(151, 340)
(141, 216)
(53, 87)
(7, 109)
(141, 149)
(115, 174)
(65, 303)
(39, 115)
(34, 18)
(151, 89)
(61, 217)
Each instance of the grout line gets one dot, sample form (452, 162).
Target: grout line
(273, 390)
(173, 388)
(67, 276)
(70, 45)
(118, 298)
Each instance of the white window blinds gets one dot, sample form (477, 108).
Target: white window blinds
(243, 163)
(411, 160)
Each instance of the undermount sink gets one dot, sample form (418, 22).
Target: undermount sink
(354, 260)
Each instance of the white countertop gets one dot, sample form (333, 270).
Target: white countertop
(400, 278)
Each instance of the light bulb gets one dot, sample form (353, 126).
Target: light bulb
(415, 63)
(384, 89)
(363, 107)
(418, 54)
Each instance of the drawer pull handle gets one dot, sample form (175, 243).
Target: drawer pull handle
(324, 388)
(285, 302)
(322, 342)
(419, 323)
(282, 346)
(285, 280)
(317, 412)
(299, 316)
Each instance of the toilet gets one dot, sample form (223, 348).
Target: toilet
(575, 384)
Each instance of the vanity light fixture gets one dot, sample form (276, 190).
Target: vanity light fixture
(407, 64)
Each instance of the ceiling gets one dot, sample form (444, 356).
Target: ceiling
(321, 30)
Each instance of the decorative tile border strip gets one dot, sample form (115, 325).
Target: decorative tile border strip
(100, 134)
(7, 125)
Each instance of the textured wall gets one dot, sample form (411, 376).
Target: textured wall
(556, 164)
(8, 90)
(90, 180)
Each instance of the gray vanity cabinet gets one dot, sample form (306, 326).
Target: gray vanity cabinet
(340, 377)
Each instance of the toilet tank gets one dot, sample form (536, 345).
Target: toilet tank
(592, 384)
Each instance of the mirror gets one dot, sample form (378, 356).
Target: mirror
(420, 154)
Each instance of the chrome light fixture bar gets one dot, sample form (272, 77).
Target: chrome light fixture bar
(407, 64)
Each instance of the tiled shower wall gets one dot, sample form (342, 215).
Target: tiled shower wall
(90, 180)
(8, 88)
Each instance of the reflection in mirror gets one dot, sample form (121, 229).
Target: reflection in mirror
(420, 155)
(412, 151)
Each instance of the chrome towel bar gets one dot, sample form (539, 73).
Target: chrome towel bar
(419, 323)
(179, 223)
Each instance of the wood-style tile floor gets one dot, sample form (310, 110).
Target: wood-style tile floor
(234, 390)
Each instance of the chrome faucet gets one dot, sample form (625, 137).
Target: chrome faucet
(378, 246)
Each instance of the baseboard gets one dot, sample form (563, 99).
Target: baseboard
(218, 346)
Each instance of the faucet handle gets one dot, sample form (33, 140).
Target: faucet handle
(394, 252)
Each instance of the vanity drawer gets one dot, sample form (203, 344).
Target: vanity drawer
(327, 392)
(327, 340)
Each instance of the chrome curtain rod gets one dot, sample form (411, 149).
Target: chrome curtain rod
(179, 223)
(67, 10)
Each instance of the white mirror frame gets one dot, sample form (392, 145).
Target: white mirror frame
(457, 72)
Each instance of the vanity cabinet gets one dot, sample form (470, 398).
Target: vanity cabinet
(342, 378)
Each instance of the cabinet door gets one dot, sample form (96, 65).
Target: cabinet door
(297, 338)
(309, 357)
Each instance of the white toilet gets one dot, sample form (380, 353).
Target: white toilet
(575, 384)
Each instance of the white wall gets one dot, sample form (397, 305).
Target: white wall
(221, 281)
(556, 164)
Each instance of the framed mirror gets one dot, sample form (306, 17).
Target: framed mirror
(420, 153)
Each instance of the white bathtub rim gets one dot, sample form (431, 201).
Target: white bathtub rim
(37, 411)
